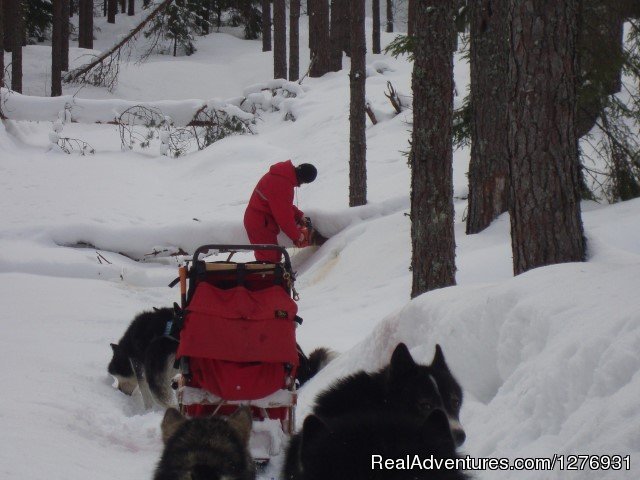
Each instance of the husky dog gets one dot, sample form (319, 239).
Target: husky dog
(316, 361)
(144, 357)
(206, 448)
(356, 446)
(402, 386)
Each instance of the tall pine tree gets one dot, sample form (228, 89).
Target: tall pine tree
(357, 115)
(431, 156)
(546, 224)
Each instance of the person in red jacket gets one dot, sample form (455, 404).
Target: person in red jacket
(271, 208)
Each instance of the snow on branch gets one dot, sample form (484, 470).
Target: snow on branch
(104, 69)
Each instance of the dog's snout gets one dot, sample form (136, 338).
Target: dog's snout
(459, 436)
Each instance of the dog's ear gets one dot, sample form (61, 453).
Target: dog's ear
(176, 308)
(401, 362)
(312, 426)
(114, 347)
(438, 359)
(242, 422)
(171, 421)
(436, 429)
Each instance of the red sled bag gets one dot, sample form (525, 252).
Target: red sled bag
(239, 342)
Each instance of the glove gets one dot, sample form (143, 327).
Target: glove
(303, 239)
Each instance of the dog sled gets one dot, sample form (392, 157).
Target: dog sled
(238, 344)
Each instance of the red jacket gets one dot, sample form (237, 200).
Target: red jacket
(273, 196)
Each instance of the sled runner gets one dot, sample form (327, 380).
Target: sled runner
(238, 344)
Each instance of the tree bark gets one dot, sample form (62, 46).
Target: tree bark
(279, 39)
(601, 57)
(112, 9)
(411, 16)
(489, 165)
(338, 30)
(389, 16)
(64, 39)
(266, 25)
(431, 157)
(319, 31)
(85, 24)
(546, 224)
(294, 40)
(15, 23)
(357, 114)
(123, 6)
(1, 45)
(56, 48)
(375, 37)
(131, 8)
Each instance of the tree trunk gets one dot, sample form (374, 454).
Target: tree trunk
(279, 39)
(389, 16)
(601, 56)
(338, 30)
(266, 25)
(72, 8)
(489, 165)
(104, 8)
(112, 9)
(319, 28)
(131, 8)
(546, 224)
(431, 157)
(64, 39)
(15, 23)
(123, 6)
(357, 115)
(294, 40)
(411, 16)
(56, 47)
(375, 5)
(85, 24)
(1, 46)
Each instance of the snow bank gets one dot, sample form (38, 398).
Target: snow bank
(549, 362)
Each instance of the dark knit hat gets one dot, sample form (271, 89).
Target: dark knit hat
(306, 173)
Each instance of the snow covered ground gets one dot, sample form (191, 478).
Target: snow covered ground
(549, 361)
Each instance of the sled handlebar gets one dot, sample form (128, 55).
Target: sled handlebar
(223, 248)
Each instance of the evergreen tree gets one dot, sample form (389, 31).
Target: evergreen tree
(319, 38)
(431, 157)
(85, 24)
(56, 48)
(1, 43)
(266, 25)
(38, 18)
(357, 115)
(375, 37)
(294, 40)
(488, 166)
(546, 223)
(178, 24)
(279, 39)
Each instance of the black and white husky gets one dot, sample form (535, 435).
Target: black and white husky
(144, 358)
(401, 388)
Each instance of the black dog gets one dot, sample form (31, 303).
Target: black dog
(144, 357)
(402, 386)
(362, 446)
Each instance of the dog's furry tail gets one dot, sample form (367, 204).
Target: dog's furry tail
(159, 368)
(316, 361)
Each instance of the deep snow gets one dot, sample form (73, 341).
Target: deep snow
(549, 360)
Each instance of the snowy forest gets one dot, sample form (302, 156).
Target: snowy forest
(462, 183)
